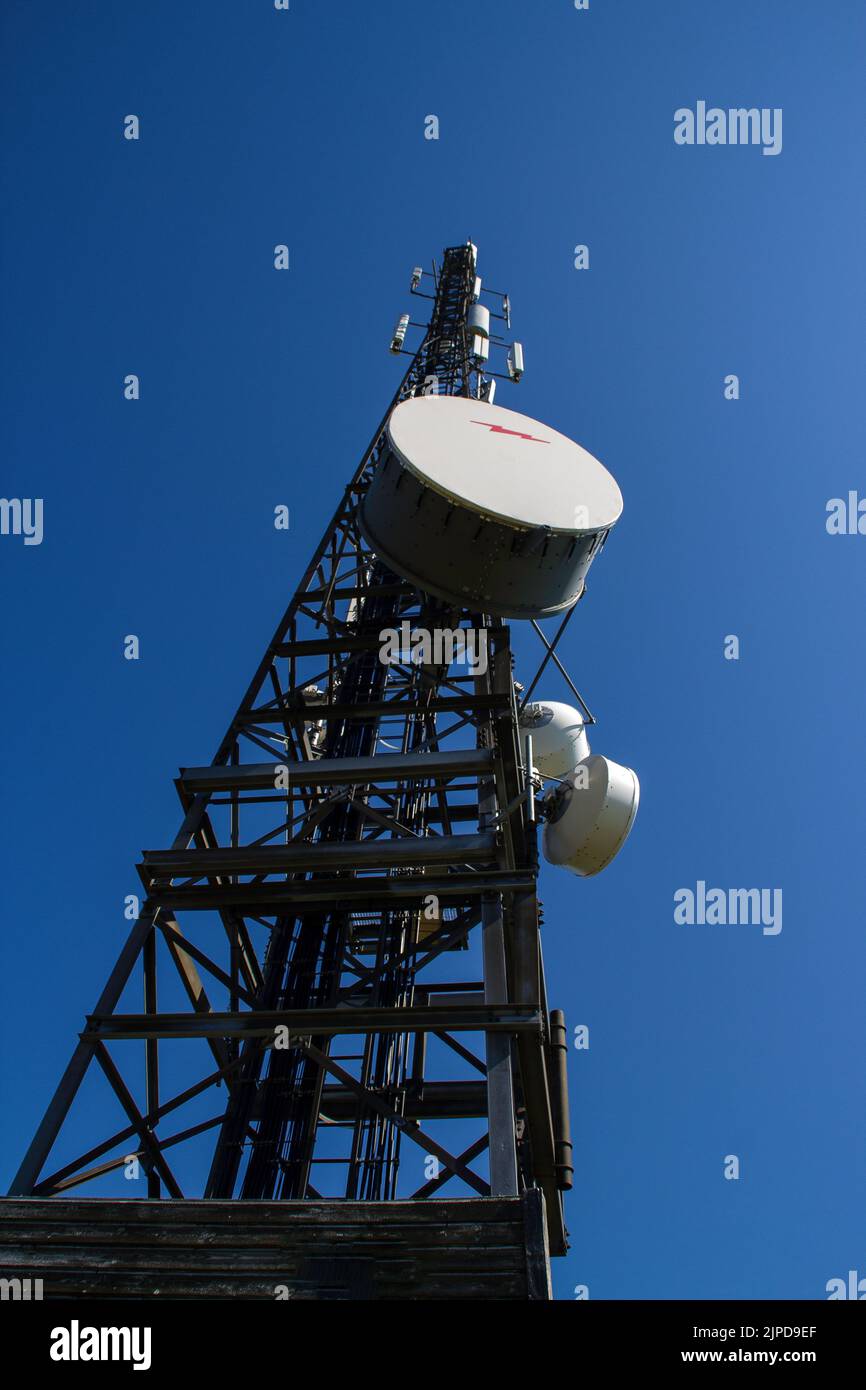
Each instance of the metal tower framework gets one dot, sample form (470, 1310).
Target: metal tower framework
(360, 819)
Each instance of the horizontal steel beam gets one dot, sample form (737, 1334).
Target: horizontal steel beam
(385, 767)
(320, 856)
(356, 591)
(483, 1018)
(433, 1100)
(341, 894)
(375, 709)
(323, 646)
(341, 642)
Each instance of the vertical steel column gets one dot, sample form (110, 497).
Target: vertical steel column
(151, 1050)
(500, 1078)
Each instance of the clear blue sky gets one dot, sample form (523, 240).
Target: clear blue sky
(258, 387)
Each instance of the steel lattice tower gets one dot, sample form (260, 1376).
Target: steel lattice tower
(360, 821)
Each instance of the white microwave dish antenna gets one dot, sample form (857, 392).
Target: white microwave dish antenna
(482, 505)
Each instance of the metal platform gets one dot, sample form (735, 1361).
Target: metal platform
(476, 1248)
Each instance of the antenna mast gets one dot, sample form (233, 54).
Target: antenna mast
(368, 823)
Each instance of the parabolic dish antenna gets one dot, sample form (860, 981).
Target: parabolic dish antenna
(590, 815)
(558, 733)
(484, 506)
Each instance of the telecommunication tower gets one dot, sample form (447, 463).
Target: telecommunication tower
(369, 822)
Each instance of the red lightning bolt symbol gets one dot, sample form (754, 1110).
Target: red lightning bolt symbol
(500, 429)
